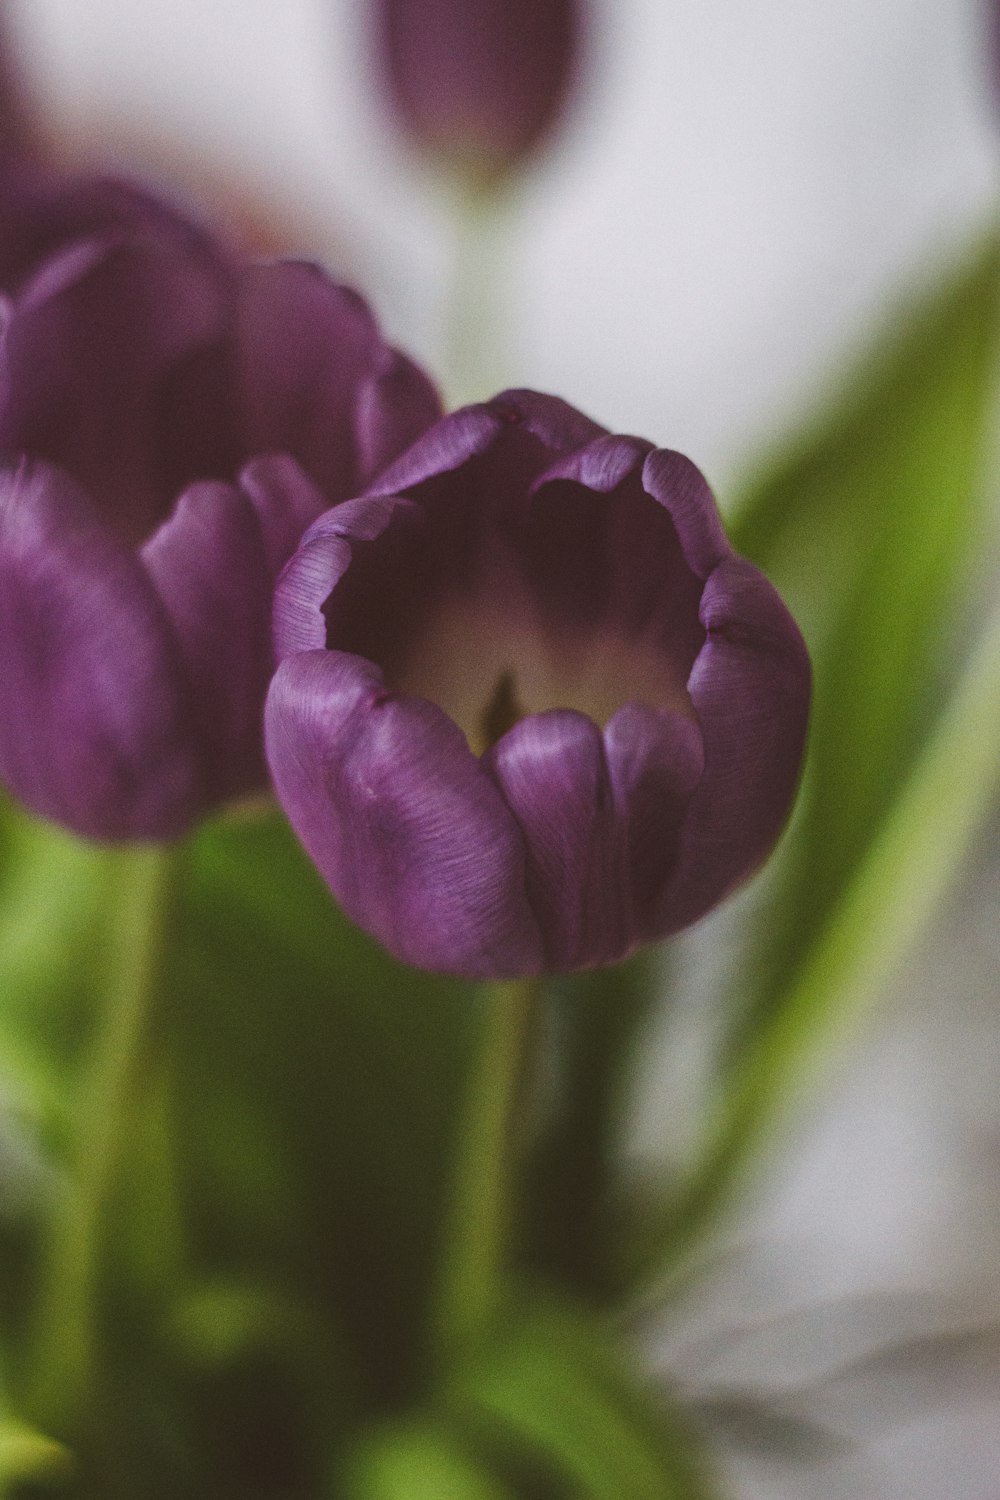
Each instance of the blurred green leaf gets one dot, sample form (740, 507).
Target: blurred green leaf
(56, 916)
(317, 1084)
(868, 528)
(29, 1458)
(417, 1461)
(294, 1130)
(551, 1396)
(54, 908)
(868, 533)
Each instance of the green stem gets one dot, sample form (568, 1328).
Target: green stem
(475, 353)
(120, 1063)
(480, 1228)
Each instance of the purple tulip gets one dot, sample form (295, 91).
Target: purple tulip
(42, 212)
(154, 397)
(479, 83)
(531, 710)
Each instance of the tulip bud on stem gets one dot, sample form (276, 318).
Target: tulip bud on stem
(480, 1226)
(123, 1052)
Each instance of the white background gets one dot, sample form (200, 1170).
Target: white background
(744, 181)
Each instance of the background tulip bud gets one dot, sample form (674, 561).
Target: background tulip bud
(479, 83)
(578, 727)
(170, 421)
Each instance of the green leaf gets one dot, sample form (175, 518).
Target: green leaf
(54, 904)
(417, 1461)
(868, 528)
(550, 1395)
(317, 1085)
(895, 791)
(58, 910)
(261, 1385)
(29, 1458)
(294, 1130)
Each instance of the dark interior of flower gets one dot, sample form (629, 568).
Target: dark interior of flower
(495, 609)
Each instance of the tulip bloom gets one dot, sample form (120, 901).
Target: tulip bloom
(154, 396)
(531, 710)
(479, 83)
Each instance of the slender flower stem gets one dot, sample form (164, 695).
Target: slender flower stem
(122, 1049)
(480, 1227)
(475, 353)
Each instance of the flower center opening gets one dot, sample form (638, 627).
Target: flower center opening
(587, 604)
(489, 657)
(501, 713)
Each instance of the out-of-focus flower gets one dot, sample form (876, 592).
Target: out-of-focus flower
(42, 212)
(15, 123)
(152, 390)
(531, 710)
(479, 83)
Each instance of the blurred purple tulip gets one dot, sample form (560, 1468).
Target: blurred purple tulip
(16, 129)
(531, 710)
(479, 83)
(153, 389)
(42, 212)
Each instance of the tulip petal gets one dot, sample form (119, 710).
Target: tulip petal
(208, 565)
(750, 687)
(681, 487)
(655, 761)
(304, 343)
(93, 729)
(287, 503)
(446, 446)
(553, 774)
(558, 426)
(520, 430)
(600, 465)
(44, 213)
(319, 564)
(393, 406)
(410, 834)
(600, 552)
(90, 347)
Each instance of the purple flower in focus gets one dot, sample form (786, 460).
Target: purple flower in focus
(153, 396)
(531, 710)
(479, 83)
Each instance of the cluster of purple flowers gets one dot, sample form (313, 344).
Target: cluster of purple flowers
(525, 708)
